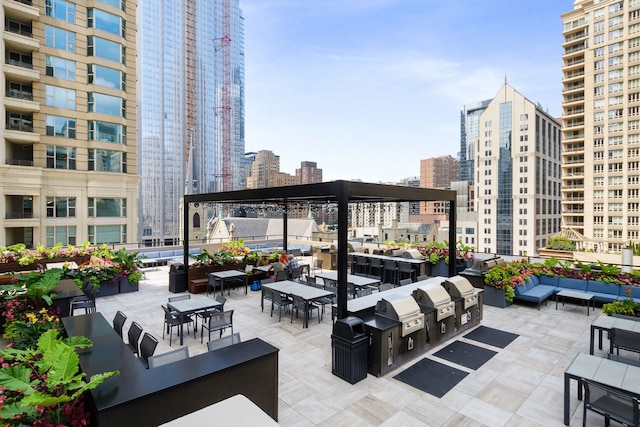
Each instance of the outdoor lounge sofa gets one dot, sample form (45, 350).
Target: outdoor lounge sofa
(539, 289)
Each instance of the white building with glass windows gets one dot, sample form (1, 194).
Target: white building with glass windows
(181, 105)
(517, 175)
(68, 172)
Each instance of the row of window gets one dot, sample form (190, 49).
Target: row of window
(96, 46)
(98, 75)
(97, 234)
(65, 207)
(65, 127)
(59, 97)
(59, 157)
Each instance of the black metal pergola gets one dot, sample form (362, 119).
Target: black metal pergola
(339, 192)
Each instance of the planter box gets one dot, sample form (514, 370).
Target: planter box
(495, 297)
(108, 289)
(125, 286)
(440, 268)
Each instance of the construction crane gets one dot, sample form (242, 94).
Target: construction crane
(224, 111)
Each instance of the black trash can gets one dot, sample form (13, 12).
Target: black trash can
(177, 278)
(349, 349)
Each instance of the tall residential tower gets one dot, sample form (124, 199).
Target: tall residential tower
(191, 94)
(68, 167)
(601, 122)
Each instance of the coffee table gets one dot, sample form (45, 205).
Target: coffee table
(577, 295)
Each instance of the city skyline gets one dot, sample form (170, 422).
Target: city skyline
(361, 78)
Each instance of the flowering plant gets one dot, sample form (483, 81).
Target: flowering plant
(42, 386)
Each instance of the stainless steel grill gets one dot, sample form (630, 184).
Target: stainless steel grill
(460, 287)
(402, 308)
(434, 295)
(413, 254)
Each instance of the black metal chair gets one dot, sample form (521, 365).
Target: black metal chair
(168, 357)
(623, 339)
(87, 301)
(217, 322)
(172, 319)
(611, 403)
(224, 342)
(147, 348)
(204, 315)
(118, 322)
(135, 331)
(299, 304)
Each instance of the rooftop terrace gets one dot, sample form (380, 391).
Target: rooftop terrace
(520, 386)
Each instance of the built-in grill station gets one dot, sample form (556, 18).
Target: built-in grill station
(396, 333)
(468, 301)
(439, 310)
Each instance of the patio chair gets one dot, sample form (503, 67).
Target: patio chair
(623, 339)
(204, 315)
(267, 295)
(364, 292)
(224, 342)
(172, 319)
(135, 330)
(217, 322)
(88, 301)
(384, 287)
(317, 265)
(281, 301)
(147, 348)
(299, 304)
(118, 322)
(168, 357)
(611, 403)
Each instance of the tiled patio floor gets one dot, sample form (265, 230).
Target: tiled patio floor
(521, 386)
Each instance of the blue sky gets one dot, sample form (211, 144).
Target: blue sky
(367, 88)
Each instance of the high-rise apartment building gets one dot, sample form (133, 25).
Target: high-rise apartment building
(601, 122)
(69, 159)
(309, 173)
(517, 175)
(191, 107)
(438, 172)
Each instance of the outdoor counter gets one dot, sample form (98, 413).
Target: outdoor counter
(151, 397)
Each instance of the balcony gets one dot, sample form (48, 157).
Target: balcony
(20, 70)
(20, 9)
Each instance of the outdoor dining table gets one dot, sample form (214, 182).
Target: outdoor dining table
(186, 307)
(306, 292)
(606, 323)
(358, 282)
(607, 372)
(224, 276)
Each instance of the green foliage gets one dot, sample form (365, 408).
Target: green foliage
(560, 244)
(45, 383)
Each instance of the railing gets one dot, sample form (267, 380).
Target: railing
(18, 31)
(19, 127)
(20, 64)
(15, 162)
(19, 215)
(20, 94)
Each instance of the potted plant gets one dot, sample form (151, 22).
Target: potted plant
(43, 385)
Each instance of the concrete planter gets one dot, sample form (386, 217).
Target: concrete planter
(495, 297)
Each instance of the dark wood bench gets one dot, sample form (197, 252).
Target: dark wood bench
(198, 286)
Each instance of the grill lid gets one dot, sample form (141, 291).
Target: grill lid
(460, 287)
(432, 295)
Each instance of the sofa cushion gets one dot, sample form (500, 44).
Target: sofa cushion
(548, 280)
(594, 286)
(574, 284)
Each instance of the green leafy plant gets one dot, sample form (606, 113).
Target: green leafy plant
(44, 386)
